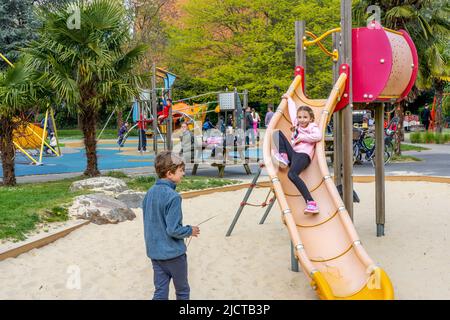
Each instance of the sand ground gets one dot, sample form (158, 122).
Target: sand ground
(251, 264)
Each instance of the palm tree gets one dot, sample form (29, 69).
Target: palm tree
(87, 68)
(427, 23)
(16, 96)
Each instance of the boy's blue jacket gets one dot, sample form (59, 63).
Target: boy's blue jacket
(163, 227)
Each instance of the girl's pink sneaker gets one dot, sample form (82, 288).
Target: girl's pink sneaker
(282, 159)
(311, 208)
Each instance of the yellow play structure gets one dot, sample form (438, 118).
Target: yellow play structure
(29, 136)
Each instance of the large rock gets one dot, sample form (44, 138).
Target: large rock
(132, 199)
(100, 209)
(100, 184)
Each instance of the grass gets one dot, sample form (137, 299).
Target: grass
(188, 183)
(25, 206)
(404, 158)
(430, 137)
(410, 147)
(78, 134)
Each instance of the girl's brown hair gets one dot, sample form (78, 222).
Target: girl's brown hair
(307, 109)
(167, 161)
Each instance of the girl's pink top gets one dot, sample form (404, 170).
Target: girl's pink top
(306, 139)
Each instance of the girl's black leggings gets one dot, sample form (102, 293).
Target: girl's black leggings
(297, 163)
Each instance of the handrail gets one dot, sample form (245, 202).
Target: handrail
(317, 40)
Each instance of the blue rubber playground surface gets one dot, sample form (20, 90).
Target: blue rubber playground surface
(75, 161)
(109, 158)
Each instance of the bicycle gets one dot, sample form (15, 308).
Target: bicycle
(365, 145)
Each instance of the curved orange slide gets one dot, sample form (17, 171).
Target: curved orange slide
(326, 244)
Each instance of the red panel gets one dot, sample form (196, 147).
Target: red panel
(415, 61)
(372, 63)
(300, 71)
(345, 95)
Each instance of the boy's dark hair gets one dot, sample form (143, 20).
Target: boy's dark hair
(307, 109)
(167, 161)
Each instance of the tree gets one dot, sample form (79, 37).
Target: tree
(87, 68)
(16, 96)
(427, 23)
(248, 44)
(17, 25)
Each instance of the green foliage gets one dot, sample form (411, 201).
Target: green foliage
(55, 214)
(16, 90)
(143, 183)
(250, 45)
(116, 174)
(403, 158)
(86, 68)
(408, 147)
(429, 137)
(17, 28)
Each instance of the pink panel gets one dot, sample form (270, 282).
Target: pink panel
(372, 63)
(415, 61)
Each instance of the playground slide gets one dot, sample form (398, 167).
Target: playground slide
(326, 245)
(29, 136)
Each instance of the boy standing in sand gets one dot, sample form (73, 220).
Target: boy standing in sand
(164, 231)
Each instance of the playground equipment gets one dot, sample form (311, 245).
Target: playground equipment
(327, 245)
(30, 139)
(28, 136)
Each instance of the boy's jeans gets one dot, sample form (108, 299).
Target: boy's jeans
(163, 271)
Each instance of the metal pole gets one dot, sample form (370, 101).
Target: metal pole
(154, 110)
(379, 170)
(241, 207)
(272, 201)
(300, 55)
(346, 27)
(337, 122)
(294, 262)
(241, 116)
(300, 60)
(170, 124)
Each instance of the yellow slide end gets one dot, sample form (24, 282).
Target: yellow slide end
(378, 287)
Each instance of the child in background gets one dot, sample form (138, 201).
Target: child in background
(297, 153)
(122, 131)
(164, 231)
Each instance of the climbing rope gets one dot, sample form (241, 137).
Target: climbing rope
(263, 204)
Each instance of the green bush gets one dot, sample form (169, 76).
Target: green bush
(415, 137)
(429, 137)
(446, 137)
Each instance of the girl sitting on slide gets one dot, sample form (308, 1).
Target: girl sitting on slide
(297, 153)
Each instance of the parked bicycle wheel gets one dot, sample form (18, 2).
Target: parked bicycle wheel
(388, 151)
(356, 153)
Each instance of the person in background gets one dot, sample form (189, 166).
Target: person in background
(256, 121)
(268, 117)
(248, 120)
(122, 131)
(187, 143)
(426, 117)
